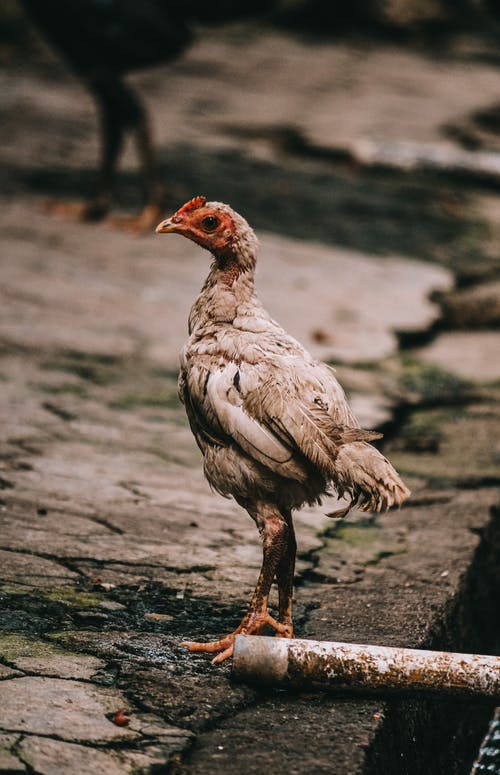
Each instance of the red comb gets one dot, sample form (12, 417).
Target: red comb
(193, 204)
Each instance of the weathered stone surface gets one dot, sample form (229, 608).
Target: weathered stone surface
(433, 444)
(79, 666)
(472, 354)
(346, 309)
(31, 570)
(419, 545)
(51, 757)
(476, 307)
(67, 709)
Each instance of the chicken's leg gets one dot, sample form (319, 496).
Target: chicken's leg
(154, 189)
(275, 532)
(117, 110)
(120, 111)
(284, 576)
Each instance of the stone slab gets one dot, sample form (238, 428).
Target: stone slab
(55, 757)
(474, 355)
(77, 666)
(66, 709)
(476, 307)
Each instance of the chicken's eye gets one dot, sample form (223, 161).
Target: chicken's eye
(210, 223)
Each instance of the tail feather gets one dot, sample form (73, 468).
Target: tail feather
(367, 476)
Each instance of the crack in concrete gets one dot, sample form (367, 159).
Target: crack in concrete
(134, 489)
(102, 564)
(105, 523)
(15, 751)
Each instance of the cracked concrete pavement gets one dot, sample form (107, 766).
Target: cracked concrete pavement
(112, 548)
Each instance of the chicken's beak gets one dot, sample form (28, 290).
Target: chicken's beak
(167, 226)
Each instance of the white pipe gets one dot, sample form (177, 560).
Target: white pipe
(363, 668)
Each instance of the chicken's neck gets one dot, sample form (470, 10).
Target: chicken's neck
(228, 287)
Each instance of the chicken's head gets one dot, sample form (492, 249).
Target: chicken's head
(215, 227)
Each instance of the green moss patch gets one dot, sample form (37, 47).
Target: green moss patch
(427, 384)
(13, 646)
(71, 597)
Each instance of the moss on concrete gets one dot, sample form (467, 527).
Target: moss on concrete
(13, 646)
(16, 589)
(420, 433)
(424, 383)
(95, 368)
(67, 387)
(162, 398)
(463, 452)
(72, 597)
(359, 534)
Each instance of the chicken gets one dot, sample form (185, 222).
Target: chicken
(273, 424)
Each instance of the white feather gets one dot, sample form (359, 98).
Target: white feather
(248, 433)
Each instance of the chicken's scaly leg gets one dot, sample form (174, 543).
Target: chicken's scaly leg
(274, 531)
(120, 111)
(153, 188)
(284, 576)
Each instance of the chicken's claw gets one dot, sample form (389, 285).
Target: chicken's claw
(225, 646)
(210, 646)
(224, 655)
(285, 632)
(252, 624)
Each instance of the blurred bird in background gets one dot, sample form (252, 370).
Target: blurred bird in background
(102, 41)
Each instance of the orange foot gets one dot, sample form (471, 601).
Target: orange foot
(252, 624)
(93, 210)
